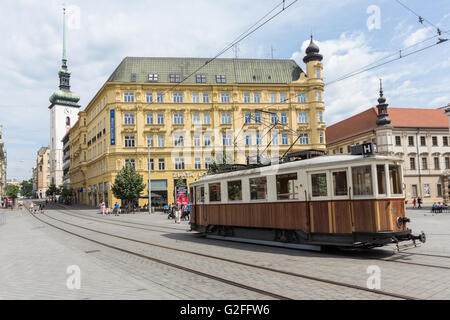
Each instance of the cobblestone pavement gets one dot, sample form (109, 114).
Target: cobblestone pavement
(111, 274)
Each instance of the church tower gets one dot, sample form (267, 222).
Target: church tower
(64, 110)
(385, 145)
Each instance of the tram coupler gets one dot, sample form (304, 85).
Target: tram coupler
(421, 237)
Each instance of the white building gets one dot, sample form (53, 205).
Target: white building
(64, 110)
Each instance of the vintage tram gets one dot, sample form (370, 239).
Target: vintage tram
(330, 200)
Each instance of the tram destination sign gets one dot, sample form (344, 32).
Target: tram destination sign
(364, 149)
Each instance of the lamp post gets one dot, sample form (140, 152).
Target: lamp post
(149, 185)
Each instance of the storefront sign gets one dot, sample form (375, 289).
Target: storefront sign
(113, 127)
(187, 174)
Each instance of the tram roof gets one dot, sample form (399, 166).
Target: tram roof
(322, 161)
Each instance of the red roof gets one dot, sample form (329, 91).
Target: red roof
(400, 117)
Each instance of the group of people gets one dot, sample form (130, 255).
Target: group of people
(417, 201)
(106, 210)
(178, 211)
(437, 207)
(40, 207)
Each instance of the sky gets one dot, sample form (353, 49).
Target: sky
(350, 33)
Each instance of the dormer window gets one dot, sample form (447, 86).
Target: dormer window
(133, 77)
(153, 77)
(220, 78)
(174, 77)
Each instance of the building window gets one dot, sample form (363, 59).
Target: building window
(205, 98)
(256, 98)
(283, 98)
(422, 141)
(226, 118)
(257, 117)
(320, 116)
(426, 190)
(128, 97)
(153, 78)
(178, 140)
(439, 190)
(248, 140)
(275, 139)
(179, 163)
(246, 97)
(424, 163)
(411, 141)
(273, 118)
(434, 141)
(197, 164)
(129, 141)
(200, 78)
(160, 118)
(214, 192)
(301, 97)
(414, 190)
(225, 97)
(398, 141)
(178, 97)
(150, 141)
(322, 140)
(319, 96)
(159, 97)
(149, 97)
(302, 117)
(161, 164)
(196, 118)
(436, 163)
(226, 139)
(258, 188)
(283, 117)
(151, 165)
(304, 138)
(258, 139)
(207, 163)
(248, 118)
(447, 162)
(174, 77)
(207, 140)
(161, 141)
(129, 118)
(412, 163)
(234, 190)
(362, 181)
(318, 73)
(284, 139)
(132, 162)
(195, 98)
(445, 141)
(273, 97)
(221, 79)
(197, 140)
(178, 118)
(149, 118)
(206, 118)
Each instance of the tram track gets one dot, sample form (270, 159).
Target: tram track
(298, 275)
(391, 259)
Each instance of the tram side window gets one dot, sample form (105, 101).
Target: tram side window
(340, 183)
(258, 188)
(319, 185)
(234, 190)
(394, 177)
(200, 193)
(362, 181)
(381, 176)
(214, 192)
(286, 186)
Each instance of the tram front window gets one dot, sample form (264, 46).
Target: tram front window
(234, 190)
(394, 177)
(286, 186)
(381, 176)
(319, 185)
(340, 183)
(362, 181)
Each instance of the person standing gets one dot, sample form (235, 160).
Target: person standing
(419, 202)
(414, 202)
(103, 208)
(116, 209)
(177, 212)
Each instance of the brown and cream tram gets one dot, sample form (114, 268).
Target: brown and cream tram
(337, 200)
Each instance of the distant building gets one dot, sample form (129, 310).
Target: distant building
(420, 137)
(43, 178)
(66, 159)
(2, 166)
(13, 182)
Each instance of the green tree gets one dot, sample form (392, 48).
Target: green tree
(65, 190)
(52, 190)
(26, 188)
(12, 191)
(216, 165)
(128, 184)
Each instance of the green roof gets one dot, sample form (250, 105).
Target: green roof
(258, 71)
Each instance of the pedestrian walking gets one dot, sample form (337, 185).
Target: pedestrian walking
(419, 202)
(41, 208)
(108, 211)
(414, 202)
(116, 209)
(103, 208)
(32, 207)
(177, 213)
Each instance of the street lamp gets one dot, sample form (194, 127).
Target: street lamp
(149, 185)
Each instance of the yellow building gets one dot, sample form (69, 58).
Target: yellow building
(190, 110)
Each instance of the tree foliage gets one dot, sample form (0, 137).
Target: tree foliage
(53, 190)
(128, 184)
(215, 166)
(26, 188)
(12, 191)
